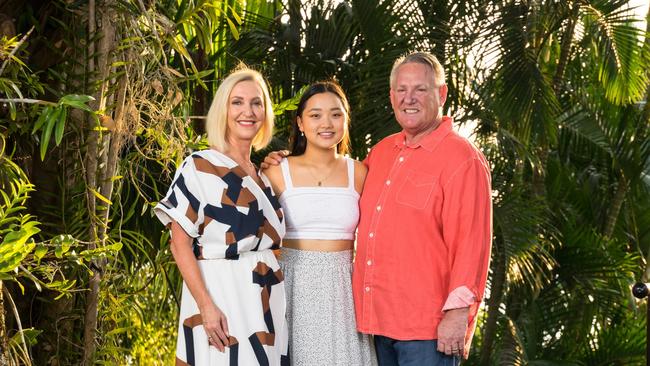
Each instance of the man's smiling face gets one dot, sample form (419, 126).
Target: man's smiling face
(416, 99)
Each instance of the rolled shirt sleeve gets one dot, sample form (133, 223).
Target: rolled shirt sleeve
(467, 231)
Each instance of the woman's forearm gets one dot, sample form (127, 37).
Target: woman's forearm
(181, 247)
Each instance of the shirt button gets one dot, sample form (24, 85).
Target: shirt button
(371, 235)
(388, 182)
(378, 208)
(367, 289)
(369, 262)
(401, 159)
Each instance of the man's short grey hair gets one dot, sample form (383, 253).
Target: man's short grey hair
(424, 58)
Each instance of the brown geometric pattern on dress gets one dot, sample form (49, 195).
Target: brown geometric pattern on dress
(267, 339)
(232, 341)
(180, 362)
(270, 231)
(225, 200)
(230, 238)
(193, 321)
(279, 213)
(201, 227)
(243, 226)
(191, 214)
(264, 276)
(245, 198)
(204, 166)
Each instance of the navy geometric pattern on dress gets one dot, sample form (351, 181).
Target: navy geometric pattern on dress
(274, 200)
(256, 344)
(233, 344)
(173, 202)
(188, 325)
(266, 278)
(189, 344)
(242, 226)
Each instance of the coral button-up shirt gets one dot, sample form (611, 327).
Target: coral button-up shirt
(424, 236)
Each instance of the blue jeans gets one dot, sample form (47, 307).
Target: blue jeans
(392, 352)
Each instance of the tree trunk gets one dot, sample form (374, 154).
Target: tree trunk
(494, 302)
(4, 340)
(94, 163)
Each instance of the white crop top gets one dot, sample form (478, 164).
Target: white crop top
(325, 213)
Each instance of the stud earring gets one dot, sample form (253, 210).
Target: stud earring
(302, 134)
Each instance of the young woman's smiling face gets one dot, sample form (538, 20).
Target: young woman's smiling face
(323, 121)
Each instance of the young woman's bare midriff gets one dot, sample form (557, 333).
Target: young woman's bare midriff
(318, 245)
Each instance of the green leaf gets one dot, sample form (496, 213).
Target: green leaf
(47, 131)
(101, 197)
(77, 101)
(45, 113)
(233, 28)
(75, 98)
(62, 286)
(40, 252)
(30, 335)
(14, 247)
(63, 244)
(233, 11)
(60, 127)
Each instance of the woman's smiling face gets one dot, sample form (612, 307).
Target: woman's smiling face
(245, 111)
(323, 121)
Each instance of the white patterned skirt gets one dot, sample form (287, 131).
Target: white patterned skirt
(320, 310)
(250, 292)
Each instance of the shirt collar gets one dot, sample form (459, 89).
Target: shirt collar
(431, 140)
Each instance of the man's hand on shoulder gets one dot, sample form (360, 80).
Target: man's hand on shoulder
(452, 331)
(274, 158)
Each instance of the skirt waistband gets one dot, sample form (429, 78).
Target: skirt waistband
(315, 258)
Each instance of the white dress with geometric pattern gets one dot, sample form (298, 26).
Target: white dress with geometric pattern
(236, 222)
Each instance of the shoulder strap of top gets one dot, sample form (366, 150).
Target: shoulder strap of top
(286, 174)
(350, 173)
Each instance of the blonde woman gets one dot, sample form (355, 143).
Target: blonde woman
(319, 191)
(224, 224)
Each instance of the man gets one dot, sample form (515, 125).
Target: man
(424, 235)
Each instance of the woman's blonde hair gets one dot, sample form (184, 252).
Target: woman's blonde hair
(216, 124)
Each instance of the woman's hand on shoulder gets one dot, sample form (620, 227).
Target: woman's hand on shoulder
(274, 158)
(215, 325)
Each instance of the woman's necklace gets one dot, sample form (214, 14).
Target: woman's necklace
(323, 179)
(246, 165)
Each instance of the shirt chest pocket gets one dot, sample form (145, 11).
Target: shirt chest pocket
(416, 190)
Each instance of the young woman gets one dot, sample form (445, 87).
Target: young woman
(319, 191)
(224, 224)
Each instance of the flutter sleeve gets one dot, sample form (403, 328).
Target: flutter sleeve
(183, 202)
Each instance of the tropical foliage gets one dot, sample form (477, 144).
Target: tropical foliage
(101, 99)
